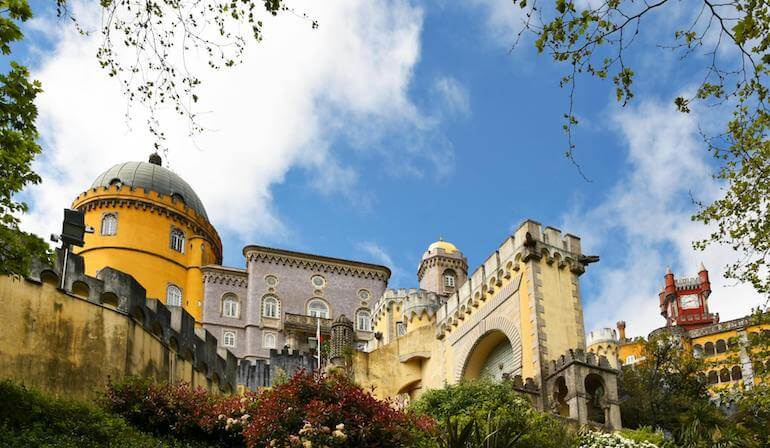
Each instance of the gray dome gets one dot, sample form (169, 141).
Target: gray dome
(152, 178)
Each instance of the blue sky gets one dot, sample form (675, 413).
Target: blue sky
(397, 122)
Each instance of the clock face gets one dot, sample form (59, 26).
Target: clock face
(689, 301)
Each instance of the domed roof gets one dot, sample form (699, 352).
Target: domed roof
(446, 245)
(152, 177)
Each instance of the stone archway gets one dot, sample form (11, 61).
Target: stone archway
(493, 341)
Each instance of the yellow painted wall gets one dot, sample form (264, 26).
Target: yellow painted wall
(68, 346)
(141, 245)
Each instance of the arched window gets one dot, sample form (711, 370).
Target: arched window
(364, 320)
(736, 373)
(177, 240)
(449, 278)
(318, 308)
(724, 375)
(713, 377)
(721, 346)
(697, 350)
(230, 306)
(270, 307)
(173, 296)
(109, 224)
(630, 359)
(228, 339)
(268, 340)
(708, 348)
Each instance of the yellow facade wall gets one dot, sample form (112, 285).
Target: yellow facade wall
(65, 345)
(141, 244)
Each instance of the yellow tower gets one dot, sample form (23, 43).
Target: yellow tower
(150, 223)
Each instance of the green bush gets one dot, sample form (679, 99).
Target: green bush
(31, 419)
(491, 413)
(644, 434)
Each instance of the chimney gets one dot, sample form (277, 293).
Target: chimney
(621, 331)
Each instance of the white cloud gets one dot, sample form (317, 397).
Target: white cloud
(644, 224)
(503, 19)
(453, 95)
(379, 255)
(296, 95)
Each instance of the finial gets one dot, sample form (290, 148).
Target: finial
(701, 267)
(668, 270)
(155, 159)
(440, 238)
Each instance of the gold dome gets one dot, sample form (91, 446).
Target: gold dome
(446, 245)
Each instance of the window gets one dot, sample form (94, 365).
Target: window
(708, 348)
(228, 339)
(364, 320)
(173, 296)
(270, 307)
(736, 373)
(630, 359)
(721, 346)
(364, 295)
(177, 240)
(713, 377)
(318, 308)
(230, 306)
(724, 375)
(318, 281)
(400, 329)
(449, 279)
(268, 341)
(109, 224)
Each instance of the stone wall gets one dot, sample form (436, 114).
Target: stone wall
(71, 341)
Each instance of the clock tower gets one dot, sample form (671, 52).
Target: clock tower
(684, 302)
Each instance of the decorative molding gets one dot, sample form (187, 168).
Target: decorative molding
(483, 328)
(318, 264)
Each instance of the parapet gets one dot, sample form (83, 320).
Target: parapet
(578, 356)
(602, 335)
(529, 242)
(121, 292)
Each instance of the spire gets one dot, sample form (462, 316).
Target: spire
(701, 268)
(155, 159)
(668, 270)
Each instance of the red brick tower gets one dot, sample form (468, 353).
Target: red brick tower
(684, 302)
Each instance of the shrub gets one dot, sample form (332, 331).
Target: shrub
(31, 419)
(315, 410)
(180, 410)
(644, 434)
(494, 411)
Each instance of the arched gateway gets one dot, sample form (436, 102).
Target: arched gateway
(492, 349)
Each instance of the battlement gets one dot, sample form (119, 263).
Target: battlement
(122, 293)
(601, 335)
(413, 302)
(577, 356)
(529, 242)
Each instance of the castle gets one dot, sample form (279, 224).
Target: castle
(517, 317)
(724, 346)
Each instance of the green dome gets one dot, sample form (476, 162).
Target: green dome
(151, 177)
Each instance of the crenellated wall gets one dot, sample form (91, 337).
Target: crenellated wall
(71, 341)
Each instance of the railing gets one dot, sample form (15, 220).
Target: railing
(305, 323)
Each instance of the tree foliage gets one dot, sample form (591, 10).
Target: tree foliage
(593, 37)
(486, 414)
(157, 49)
(18, 145)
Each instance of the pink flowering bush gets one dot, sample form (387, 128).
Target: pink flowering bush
(309, 410)
(180, 410)
(316, 410)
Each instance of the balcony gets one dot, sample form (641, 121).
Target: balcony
(305, 324)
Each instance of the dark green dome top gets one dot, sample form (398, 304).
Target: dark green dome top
(152, 177)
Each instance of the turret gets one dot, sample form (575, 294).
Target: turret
(705, 284)
(443, 268)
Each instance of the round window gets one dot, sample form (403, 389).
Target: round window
(271, 280)
(364, 294)
(318, 281)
